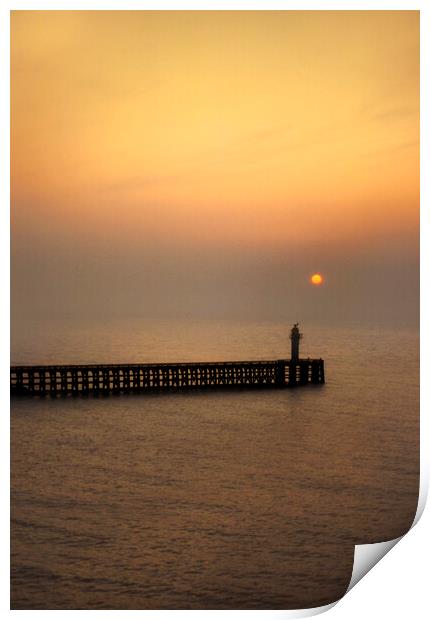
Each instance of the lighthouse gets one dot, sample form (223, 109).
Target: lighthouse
(295, 337)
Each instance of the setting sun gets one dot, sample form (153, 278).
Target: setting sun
(317, 279)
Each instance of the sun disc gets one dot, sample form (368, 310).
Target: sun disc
(316, 279)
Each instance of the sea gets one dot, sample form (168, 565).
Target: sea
(209, 500)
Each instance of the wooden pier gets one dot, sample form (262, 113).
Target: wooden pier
(104, 379)
(126, 378)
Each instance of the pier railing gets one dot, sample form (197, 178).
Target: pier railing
(78, 379)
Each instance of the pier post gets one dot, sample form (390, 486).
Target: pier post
(280, 374)
(315, 372)
(304, 372)
(292, 374)
(322, 377)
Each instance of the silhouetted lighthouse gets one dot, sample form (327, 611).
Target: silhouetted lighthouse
(295, 339)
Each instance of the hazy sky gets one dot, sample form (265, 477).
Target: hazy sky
(205, 164)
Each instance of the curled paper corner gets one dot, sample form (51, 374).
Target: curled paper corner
(367, 556)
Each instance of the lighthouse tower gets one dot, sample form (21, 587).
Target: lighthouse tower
(295, 337)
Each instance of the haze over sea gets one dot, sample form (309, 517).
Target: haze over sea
(210, 500)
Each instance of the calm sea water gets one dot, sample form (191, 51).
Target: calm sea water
(210, 500)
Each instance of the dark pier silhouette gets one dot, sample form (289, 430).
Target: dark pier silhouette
(99, 379)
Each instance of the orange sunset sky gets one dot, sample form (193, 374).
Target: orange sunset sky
(215, 160)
